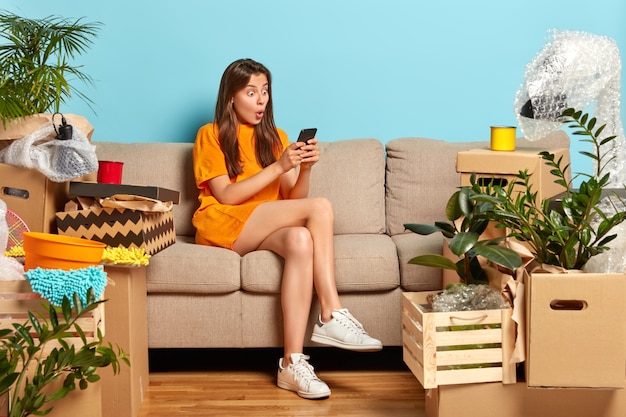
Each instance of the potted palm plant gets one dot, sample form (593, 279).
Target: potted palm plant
(36, 73)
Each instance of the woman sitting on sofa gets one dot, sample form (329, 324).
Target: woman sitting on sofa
(253, 195)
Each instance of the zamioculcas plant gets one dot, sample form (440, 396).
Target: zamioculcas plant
(570, 230)
(26, 370)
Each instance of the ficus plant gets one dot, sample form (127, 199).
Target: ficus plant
(569, 230)
(467, 219)
(36, 69)
(28, 365)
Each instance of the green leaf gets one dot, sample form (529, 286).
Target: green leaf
(422, 229)
(35, 322)
(463, 242)
(435, 261)
(500, 255)
(66, 309)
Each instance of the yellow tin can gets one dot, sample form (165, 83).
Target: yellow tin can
(503, 138)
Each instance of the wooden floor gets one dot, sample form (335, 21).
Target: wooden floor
(237, 383)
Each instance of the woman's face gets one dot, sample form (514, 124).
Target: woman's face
(249, 103)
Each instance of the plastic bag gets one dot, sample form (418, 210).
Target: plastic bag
(59, 160)
(10, 269)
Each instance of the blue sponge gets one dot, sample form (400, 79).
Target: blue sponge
(53, 284)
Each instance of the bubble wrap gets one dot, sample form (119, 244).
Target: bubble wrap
(575, 69)
(59, 160)
(578, 70)
(468, 298)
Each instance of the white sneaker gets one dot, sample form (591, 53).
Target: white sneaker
(344, 331)
(300, 377)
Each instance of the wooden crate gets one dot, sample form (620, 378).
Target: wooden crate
(17, 298)
(444, 348)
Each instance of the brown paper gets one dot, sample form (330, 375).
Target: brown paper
(134, 202)
(512, 288)
(19, 128)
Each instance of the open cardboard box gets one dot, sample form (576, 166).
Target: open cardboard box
(32, 196)
(27, 192)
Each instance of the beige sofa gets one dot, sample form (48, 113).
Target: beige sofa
(200, 296)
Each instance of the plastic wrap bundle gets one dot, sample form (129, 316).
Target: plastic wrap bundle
(59, 160)
(10, 269)
(577, 69)
(468, 298)
(574, 69)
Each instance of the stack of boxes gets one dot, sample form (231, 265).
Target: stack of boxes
(575, 327)
(41, 203)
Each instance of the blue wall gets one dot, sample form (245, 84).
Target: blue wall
(354, 68)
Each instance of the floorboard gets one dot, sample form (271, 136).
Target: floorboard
(242, 382)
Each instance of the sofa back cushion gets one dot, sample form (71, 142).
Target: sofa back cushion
(167, 165)
(421, 176)
(351, 174)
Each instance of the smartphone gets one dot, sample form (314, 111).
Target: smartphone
(306, 134)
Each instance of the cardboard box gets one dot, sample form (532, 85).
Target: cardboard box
(152, 232)
(127, 318)
(79, 402)
(17, 299)
(32, 196)
(517, 400)
(503, 167)
(460, 347)
(575, 330)
(94, 189)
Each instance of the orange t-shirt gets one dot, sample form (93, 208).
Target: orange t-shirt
(220, 224)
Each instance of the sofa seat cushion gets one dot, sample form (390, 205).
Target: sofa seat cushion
(186, 267)
(363, 263)
(417, 277)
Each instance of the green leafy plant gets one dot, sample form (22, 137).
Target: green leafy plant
(27, 369)
(35, 69)
(567, 231)
(467, 218)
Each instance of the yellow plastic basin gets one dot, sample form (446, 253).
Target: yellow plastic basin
(50, 251)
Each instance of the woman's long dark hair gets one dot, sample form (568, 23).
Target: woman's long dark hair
(268, 145)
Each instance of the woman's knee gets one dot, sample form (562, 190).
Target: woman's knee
(322, 207)
(298, 241)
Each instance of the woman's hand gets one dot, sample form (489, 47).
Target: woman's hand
(309, 154)
(291, 157)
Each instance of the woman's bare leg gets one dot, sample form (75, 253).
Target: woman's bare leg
(308, 262)
(316, 214)
(294, 244)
